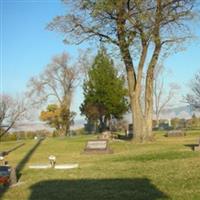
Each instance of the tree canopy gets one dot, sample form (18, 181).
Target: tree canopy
(141, 30)
(56, 83)
(104, 91)
(53, 115)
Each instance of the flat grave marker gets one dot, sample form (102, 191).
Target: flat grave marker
(97, 146)
(53, 165)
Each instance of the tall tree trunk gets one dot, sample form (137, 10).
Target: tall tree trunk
(150, 72)
(149, 104)
(65, 113)
(149, 91)
(134, 92)
(67, 128)
(139, 126)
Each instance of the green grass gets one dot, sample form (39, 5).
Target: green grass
(164, 169)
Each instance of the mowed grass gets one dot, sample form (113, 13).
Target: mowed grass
(164, 169)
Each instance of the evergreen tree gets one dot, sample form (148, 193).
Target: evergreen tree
(104, 92)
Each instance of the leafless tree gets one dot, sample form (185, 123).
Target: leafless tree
(57, 83)
(163, 95)
(193, 98)
(143, 26)
(12, 110)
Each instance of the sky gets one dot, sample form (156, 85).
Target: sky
(27, 47)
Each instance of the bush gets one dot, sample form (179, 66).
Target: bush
(56, 133)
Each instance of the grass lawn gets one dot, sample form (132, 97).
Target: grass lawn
(164, 169)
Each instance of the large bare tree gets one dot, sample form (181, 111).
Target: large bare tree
(135, 27)
(56, 83)
(12, 110)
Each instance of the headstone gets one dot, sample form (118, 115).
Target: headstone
(129, 134)
(106, 135)
(13, 176)
(197, 147)
(97, 146)
(175, 133)
(130, 129)
(7, 175)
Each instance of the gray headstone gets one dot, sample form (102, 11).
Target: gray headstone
(97, 146)
(175, 133)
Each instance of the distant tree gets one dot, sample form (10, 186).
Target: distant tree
(163, 95)
(53, 115)
(57, 83)
(193, 98)
(183, 123)
(194, 122)
(141, 31)
(175, 123)
(12, 110)
(104, 92)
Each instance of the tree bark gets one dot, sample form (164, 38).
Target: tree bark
(150, 73)
(149, 92)
(134, 92)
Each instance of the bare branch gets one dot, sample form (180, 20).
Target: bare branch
(193, 98)
(11, 111)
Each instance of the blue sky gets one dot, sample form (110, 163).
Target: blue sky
(26, 47)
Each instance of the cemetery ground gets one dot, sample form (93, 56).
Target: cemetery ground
(164, 169)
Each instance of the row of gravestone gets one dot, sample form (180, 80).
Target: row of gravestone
(101, 144)
(108, 135)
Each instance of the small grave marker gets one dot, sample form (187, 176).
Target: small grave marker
(97, 146)
(197, 147)
(106, 135)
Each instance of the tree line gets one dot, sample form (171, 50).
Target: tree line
(105, 96)
(142, 33)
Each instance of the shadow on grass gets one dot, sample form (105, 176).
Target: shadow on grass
(26, 158)
(93, 189)
(21, 165)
